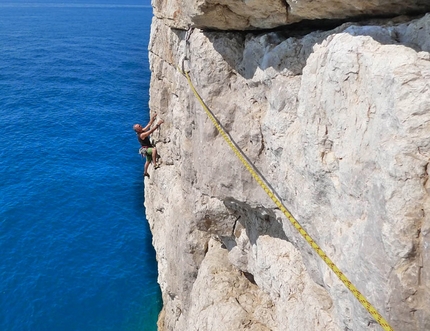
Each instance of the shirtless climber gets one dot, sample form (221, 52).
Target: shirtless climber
(147, 149)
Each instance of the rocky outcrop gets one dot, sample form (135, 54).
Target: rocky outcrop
(255, 14)
(338, 122)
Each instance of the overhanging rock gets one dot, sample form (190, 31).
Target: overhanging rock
(268, 14)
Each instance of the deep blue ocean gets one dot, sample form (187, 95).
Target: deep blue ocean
(75, 246)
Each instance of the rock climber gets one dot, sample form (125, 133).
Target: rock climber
(147, 149)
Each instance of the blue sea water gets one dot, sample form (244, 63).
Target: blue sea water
(75, 246)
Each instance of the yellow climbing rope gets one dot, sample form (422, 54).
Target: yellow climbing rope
(366, 304)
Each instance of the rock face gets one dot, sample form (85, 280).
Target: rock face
(338, 122)
(256, 14)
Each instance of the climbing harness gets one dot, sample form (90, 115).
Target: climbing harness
(254, 172)
(142, 151)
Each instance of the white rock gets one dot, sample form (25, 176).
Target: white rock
(338, 122)
(255, 14)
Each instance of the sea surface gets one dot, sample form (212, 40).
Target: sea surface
(75, 247)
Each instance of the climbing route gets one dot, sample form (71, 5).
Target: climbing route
(360, 297)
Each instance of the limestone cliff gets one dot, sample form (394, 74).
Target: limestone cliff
(336, 117)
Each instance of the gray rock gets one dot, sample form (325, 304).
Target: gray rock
(255, 14)
(338, 122)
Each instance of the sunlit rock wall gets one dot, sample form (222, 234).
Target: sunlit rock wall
(256, 14)
(338, 122)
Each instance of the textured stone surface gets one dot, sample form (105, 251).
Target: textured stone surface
(256, 14)
(338, 122)
(223, 298)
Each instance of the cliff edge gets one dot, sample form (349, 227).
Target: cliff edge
(331, 103)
